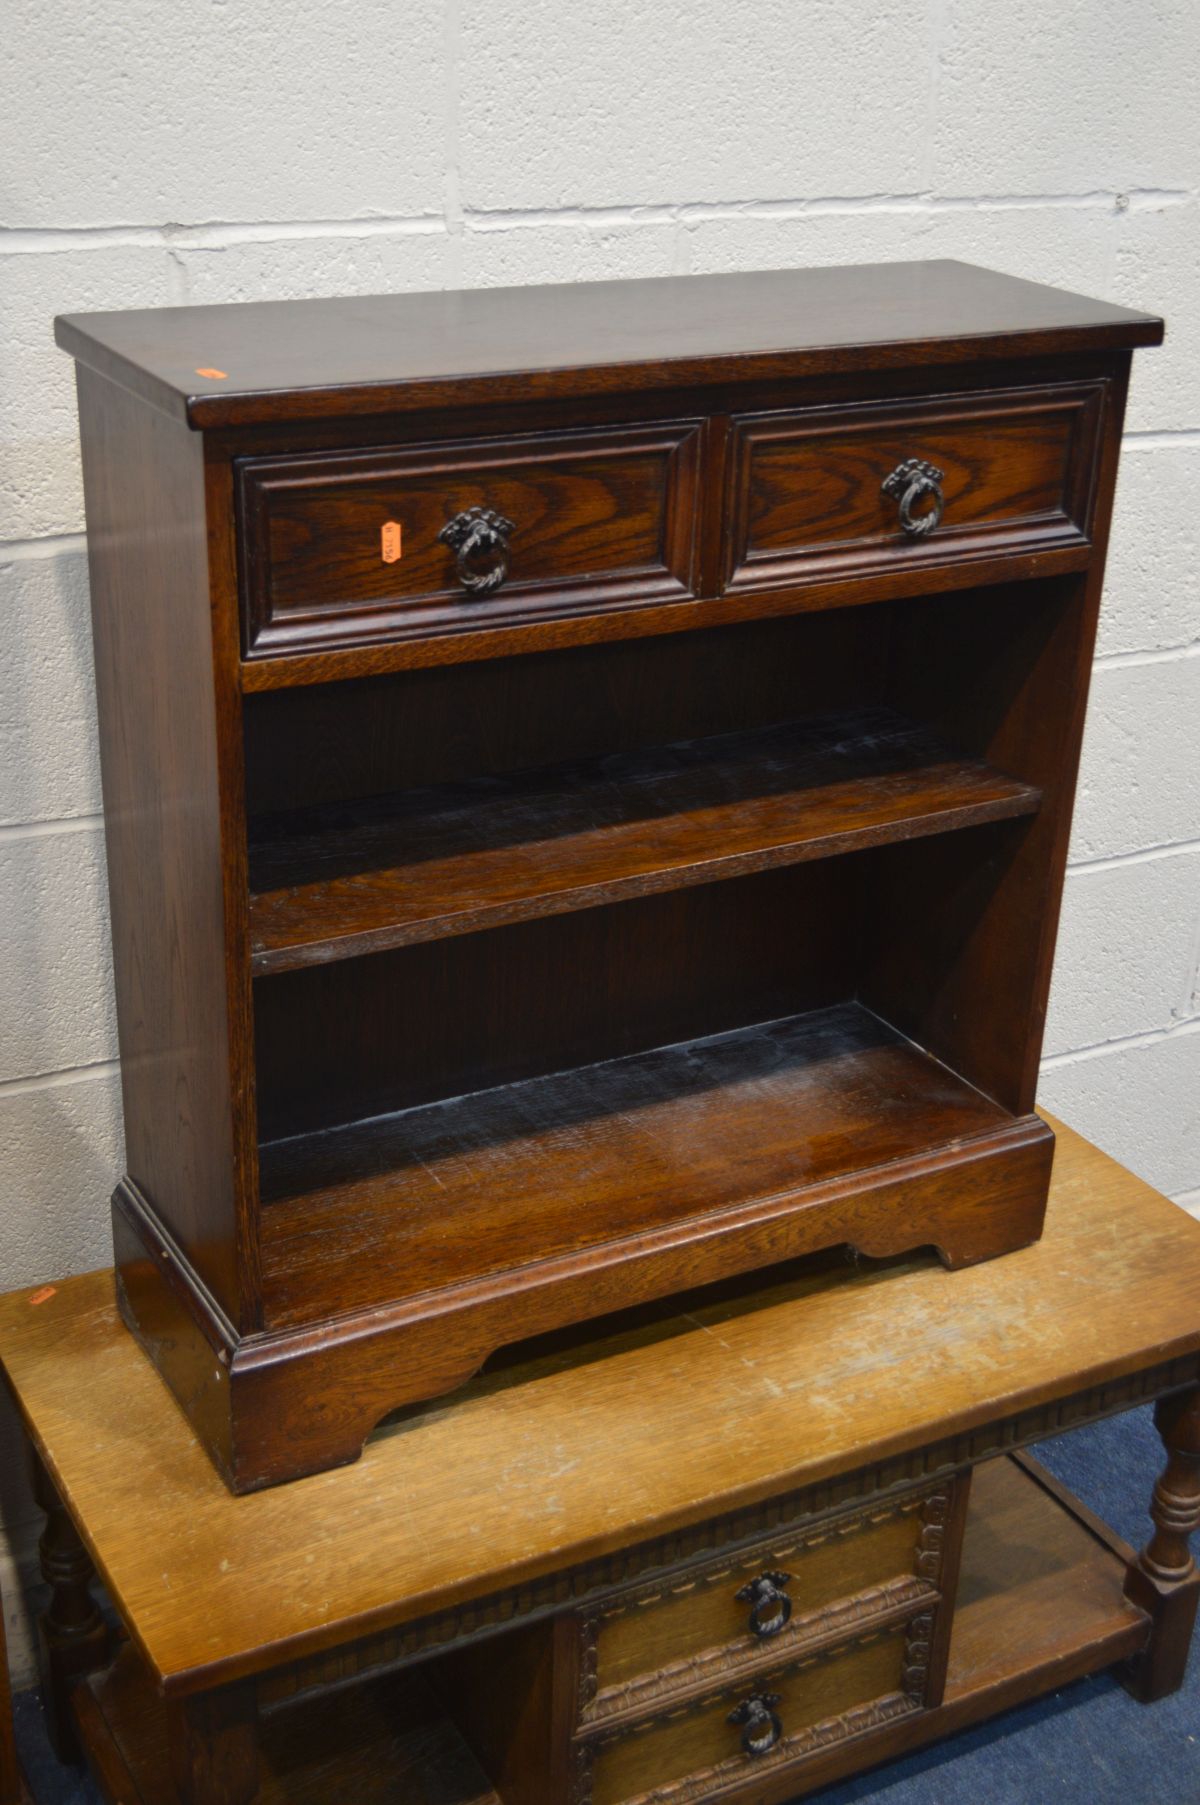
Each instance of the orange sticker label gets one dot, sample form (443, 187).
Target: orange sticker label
(389, 541)
(216, 375)
(44, 1295)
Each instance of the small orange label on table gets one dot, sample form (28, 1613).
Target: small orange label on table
(389, 541)
(216, 375)
(44, 1295)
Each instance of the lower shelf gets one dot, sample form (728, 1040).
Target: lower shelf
(382, 1743)
(456, 1192)
(1038, 1582)
(1040, 1603)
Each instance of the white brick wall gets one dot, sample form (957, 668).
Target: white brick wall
(157, 153)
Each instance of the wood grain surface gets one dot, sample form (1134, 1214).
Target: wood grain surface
(170, 739)
(334, 882)
(679, 1630)
(449, 1194)
(540, 1467)
(289, 360)
(699, 1740)
(1016, 471)
(599, 518)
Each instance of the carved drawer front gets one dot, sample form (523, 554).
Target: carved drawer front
(818, 493)
(820, 1582)
(739, 1735)
(410, 542)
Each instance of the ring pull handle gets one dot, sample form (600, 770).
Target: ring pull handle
(911, 483)
(759, 1722)
(479, 540)
(770, 1606)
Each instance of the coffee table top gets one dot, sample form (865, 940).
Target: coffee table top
(588, 1443)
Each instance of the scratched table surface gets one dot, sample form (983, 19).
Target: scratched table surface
(583, 1445)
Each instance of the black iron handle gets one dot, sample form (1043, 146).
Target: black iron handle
(770, 1606)
(912, 483)
(759, 1722)
(479, 540)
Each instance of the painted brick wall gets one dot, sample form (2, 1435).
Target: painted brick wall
(208, 151)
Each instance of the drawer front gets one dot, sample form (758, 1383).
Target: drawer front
(346, 549)
(821, 493)
(743, 1734)
(815, 1584)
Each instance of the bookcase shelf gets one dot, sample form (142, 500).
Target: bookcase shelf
(458, 1191)
(332, 882)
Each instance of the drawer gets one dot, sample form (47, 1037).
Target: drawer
(741, 1734)
(819, 493)
(814, 1584)
(348, 548)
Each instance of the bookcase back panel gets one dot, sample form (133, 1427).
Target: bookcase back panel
(365, 1036)
(338, 741)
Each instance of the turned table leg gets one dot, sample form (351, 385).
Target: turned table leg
(12, 1792)
(73, 1637)
(1164, 1580)
(214, 1746)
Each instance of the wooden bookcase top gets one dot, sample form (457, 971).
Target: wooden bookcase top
(634, 1429)
(261, 361)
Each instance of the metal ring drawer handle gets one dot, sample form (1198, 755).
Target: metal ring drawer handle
(479, 540)
(910, 482)
(760, 1725)
(770, 1606)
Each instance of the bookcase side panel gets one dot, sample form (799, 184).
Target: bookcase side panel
(173, 832)
(965, 946)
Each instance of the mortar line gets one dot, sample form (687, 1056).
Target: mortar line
(1163, 438)
(17, 240)
(60, 1079)
(11, 831)
(452, 207)
(938, 16)
(1125, 1043)
(1144, 855)
(1120, 661)
(50, 545)
(1189, 1000)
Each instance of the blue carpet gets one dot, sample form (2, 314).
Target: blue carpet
(1087, 1745)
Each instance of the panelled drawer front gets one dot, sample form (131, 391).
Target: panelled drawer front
(808, 503)
(737, 1736)
(347, 549)
(676, 1631)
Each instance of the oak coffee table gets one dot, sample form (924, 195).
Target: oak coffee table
(730, 1547)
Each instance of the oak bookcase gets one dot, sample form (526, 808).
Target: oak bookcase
(588, 774)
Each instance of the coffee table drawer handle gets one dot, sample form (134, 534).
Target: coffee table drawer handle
(760, 1725)
(770, 1606)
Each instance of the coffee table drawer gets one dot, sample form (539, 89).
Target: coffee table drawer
(420, 540)
(740, 1735)
(821, 492)
(679, 1629)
